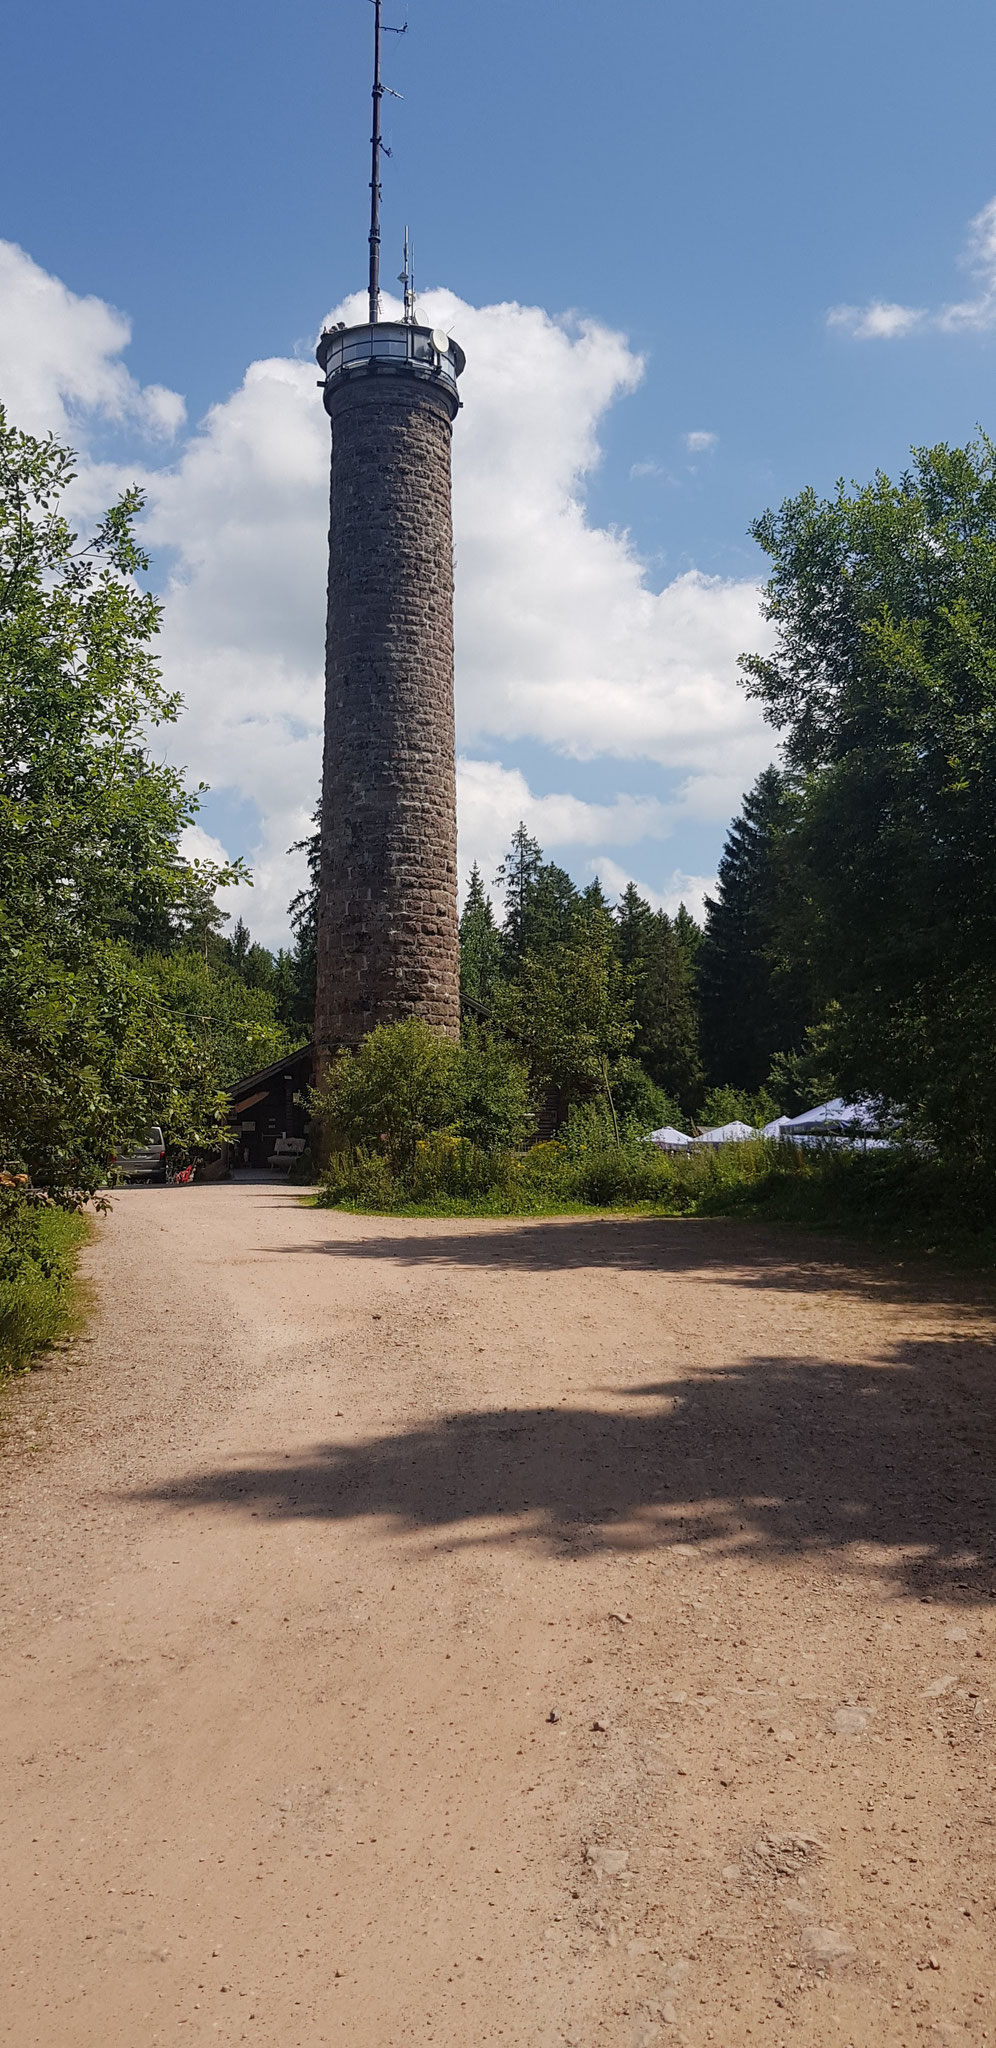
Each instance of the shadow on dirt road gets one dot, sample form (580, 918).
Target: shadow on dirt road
(889, 1465)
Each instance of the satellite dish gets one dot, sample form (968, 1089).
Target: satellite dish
(440, 340)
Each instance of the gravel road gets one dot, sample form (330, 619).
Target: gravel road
(556, 1635)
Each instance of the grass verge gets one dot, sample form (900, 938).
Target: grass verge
(40, 1295)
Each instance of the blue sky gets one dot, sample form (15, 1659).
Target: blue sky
(709, 182)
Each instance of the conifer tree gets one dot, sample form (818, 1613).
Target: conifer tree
(667, 1013)
(480, 943)
(752, 1005)
(516, 875)
(660, 956)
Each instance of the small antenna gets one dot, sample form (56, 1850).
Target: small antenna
(376, 146)
(407, 278)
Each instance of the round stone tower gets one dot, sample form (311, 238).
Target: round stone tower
(387, 924)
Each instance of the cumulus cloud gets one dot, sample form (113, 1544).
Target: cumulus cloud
(492, 799)
(699, 441)
(60, 356)
(562, 637)
(691, 890)
(882, 320)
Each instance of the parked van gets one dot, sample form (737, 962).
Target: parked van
(148, 1163)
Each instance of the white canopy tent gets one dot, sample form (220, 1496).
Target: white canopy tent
(837, 1115)
(668, 1139)
(727, 1134)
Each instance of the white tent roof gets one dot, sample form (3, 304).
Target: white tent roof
(776, 1125)
(667, 1135)
(726, 1134)
(832, 1114)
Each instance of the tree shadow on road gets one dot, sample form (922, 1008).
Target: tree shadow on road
(731, 1253)
(887, 1466)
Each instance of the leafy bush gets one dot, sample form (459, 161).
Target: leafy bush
(737, 1105)
(38, 1245)
(405, 1083)
(642, 1106)
(494, 1105)
(399, 1085)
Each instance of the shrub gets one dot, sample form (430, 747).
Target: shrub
(640, 1105)
(359, 1179)
(494, 1105)
(38, 1245)
(399, 1085)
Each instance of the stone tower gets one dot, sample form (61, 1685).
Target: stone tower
(387, 923)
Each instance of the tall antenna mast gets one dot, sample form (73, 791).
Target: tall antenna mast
(378, 93)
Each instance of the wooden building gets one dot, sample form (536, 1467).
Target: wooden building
(265, 1107)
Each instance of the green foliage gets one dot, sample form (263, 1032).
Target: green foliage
(396, 1088)
(517, 875)
(100, 1036)
(89, 821)
(638, 1107)
(405, 1085)
(297, 1003)
(737, 1105)
(493, 1103)
(38, 1246)
(641, 1106)
(883, 683)
(227, 1019)
(569, 1009)
(799, 1080)
(450, 1176)
(753, 1005)
(92, 1055)
(480, 943)
(660, 956)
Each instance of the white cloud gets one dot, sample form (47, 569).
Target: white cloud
(878, 321)
(561, 636)
(691, 890)
(979, 257)
(491, 801)
(60, 358)
(699, 441)
(881, 320)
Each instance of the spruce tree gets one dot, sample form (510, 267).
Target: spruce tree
(752, 1005)
(516, 876)
(667, 1012)
(480, 943)
(660, 957)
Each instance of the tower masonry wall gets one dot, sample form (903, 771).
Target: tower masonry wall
(388, 943)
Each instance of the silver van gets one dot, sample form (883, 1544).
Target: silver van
(148, 1163)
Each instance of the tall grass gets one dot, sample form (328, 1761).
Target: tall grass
(449, 1176)
(902, 1198)
(38, 1293)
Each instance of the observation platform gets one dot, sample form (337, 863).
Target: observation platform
(390, 349)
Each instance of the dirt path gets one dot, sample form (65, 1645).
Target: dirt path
(531, 1634)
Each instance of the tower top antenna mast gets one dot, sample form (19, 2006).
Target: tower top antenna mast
(378, 94)
(376, 148)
